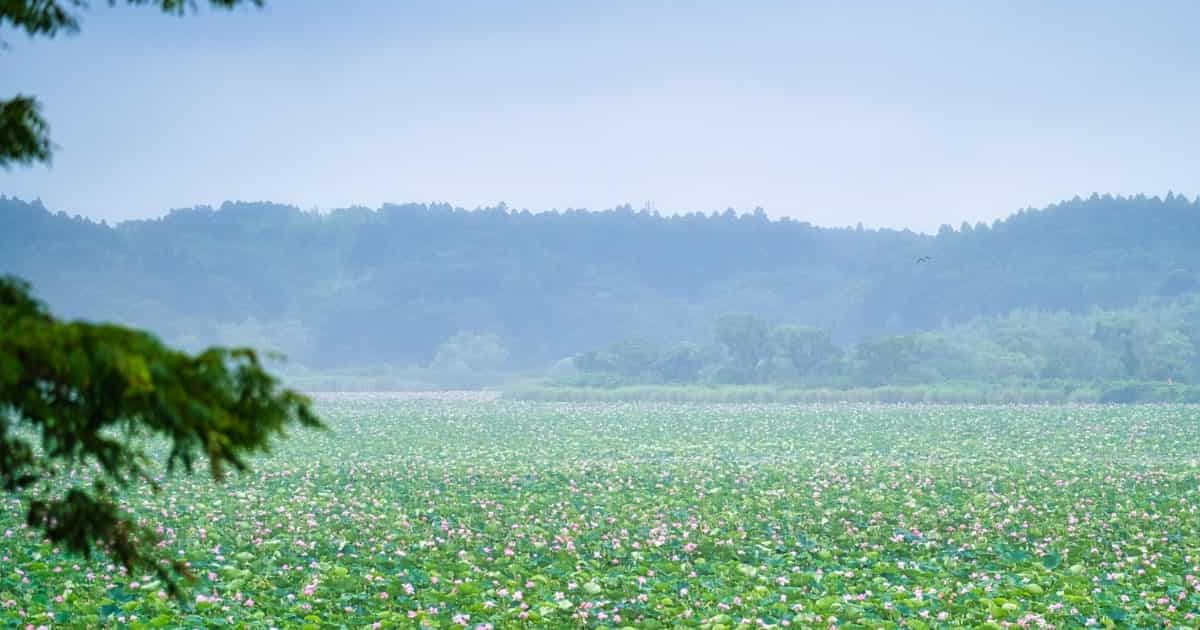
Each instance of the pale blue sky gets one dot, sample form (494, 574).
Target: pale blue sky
(893, 114)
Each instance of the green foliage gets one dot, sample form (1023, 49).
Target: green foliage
(359, 287)
(47, 18)
(452, 514)
(467, 360)
(24, 135)
(40, 17)
(746, 339)
(469, 351)
(79, 402)
(1155, 343)
(681, 363)
(806, 348)
(885, 359)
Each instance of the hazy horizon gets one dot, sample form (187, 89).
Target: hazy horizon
(517, 208)
(895, 117)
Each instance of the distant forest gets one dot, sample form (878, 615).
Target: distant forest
(1149, 352)
(420, 285)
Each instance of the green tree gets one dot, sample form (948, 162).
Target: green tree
(681, 363)
(82, 404)
(469, 351)
(595, 362)
(1169, 356)
(883, 360)
(1076, 357)
(746, 339)
(1118, 334)
(24, 133)
(805, 347)
(634, 358)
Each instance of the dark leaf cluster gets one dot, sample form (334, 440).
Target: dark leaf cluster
(80, 402)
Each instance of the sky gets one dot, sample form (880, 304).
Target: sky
(891, 114)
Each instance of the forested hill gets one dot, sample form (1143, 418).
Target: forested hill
(363, 287)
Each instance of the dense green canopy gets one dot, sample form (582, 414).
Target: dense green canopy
(361, 287)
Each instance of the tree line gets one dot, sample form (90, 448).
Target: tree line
(359, 286)
(1158, 340)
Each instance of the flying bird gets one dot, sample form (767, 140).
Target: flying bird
(924, 259)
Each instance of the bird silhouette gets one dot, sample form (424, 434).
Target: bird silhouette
(924, 259)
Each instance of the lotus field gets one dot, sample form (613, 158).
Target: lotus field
(494, 514)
